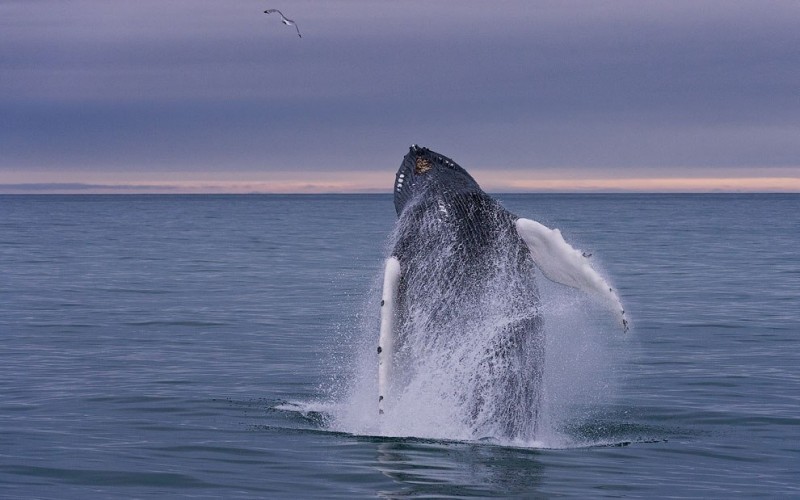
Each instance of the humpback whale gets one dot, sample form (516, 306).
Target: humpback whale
(461, 264)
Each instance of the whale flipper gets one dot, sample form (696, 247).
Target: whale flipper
(391, 285)
(562, 263)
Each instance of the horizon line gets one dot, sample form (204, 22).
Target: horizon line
(492, 184)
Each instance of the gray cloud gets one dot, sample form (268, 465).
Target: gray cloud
(218, 85)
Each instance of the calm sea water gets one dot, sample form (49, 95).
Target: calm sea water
(204, 347)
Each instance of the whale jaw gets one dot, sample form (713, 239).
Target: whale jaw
(425, 172)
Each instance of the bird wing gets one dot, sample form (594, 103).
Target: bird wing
(285, 20)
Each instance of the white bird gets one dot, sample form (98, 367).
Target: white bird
(285, 20)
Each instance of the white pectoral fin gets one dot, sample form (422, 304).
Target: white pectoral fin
(391, 285)
(563, 264)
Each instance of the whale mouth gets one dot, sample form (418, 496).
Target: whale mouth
(426, 171)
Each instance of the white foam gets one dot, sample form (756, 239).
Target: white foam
(443, 363)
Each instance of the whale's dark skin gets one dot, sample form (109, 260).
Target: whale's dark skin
(433, 182)
(458, 249)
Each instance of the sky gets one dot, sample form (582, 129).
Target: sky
(527, 95)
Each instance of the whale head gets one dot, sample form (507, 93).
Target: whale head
(424, 173)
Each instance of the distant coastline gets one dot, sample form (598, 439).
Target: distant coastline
(774, 186)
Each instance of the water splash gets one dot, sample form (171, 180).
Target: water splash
(487, 349)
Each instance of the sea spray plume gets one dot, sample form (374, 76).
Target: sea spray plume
(462, 340)
(285, 20)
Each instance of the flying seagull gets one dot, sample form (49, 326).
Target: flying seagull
(285, 20)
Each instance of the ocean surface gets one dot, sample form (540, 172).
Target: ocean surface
(217, 346)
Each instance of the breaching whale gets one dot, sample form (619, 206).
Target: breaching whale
(461, 265)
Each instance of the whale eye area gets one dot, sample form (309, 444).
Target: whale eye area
(422, 165)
